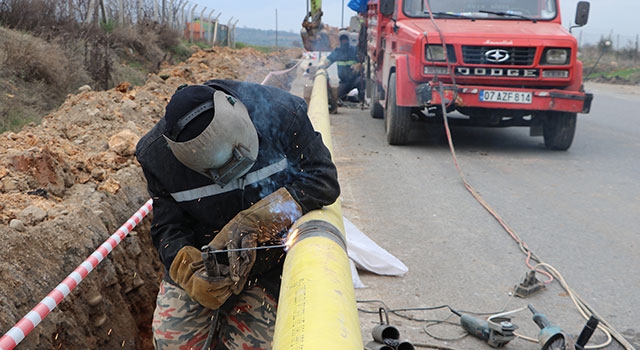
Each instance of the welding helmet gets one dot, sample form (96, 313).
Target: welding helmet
(211, 133)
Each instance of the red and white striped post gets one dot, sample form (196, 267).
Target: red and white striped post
(21, 329)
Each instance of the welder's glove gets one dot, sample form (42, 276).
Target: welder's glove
(187, 269)
(260, 223)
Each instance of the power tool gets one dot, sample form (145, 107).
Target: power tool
(551, 337)
(554, 338)
(497, 332)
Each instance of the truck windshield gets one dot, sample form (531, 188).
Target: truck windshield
(483, 9)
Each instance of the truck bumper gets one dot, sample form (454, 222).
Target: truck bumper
(472, 96)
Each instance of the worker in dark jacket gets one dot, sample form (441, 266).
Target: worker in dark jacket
(230, 165)
(349, 67)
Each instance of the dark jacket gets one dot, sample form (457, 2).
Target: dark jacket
(287, 141)
(345, 57)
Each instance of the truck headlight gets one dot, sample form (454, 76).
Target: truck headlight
(434, 53)
(556, 56)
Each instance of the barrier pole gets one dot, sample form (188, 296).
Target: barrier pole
(21, 329)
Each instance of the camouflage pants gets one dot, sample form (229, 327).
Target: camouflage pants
(245, 321)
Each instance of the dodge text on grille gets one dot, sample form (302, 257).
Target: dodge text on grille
(497, 72)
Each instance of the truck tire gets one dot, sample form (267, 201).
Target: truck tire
(558, 129)
(397, 119)
(375, 109)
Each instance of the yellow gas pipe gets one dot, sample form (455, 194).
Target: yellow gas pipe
(317, 307)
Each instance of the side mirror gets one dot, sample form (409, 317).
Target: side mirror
(582, 13)
(387, 7)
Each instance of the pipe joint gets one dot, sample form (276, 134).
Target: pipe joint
(317, 228)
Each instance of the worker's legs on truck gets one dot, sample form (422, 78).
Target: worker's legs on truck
(345, 87)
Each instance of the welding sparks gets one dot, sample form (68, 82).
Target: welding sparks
(290, 239)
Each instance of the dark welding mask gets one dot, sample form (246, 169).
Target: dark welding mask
(345, 39)
(226, 148)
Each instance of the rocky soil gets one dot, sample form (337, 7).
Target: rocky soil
(70, 182)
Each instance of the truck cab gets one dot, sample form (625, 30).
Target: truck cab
(496, 62)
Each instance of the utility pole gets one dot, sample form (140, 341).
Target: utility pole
(342, 17)
(635, 54)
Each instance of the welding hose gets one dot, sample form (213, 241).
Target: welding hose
(21, 329)
(317, 304)
(585, 310)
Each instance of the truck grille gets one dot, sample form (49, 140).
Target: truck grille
(517, 56)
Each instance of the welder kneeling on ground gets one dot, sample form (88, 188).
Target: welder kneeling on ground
(231, 165)
(349, 68)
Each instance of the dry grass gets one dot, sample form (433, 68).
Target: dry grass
(35, 76)
(43, 60)
(611, 66)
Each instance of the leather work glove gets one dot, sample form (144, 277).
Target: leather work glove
(187, 269)
(259, 223)
(356, 67)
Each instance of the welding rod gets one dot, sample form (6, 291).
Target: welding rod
(250, 248)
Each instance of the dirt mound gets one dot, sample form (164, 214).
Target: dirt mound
(67, 184)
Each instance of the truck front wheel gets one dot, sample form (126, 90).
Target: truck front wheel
(376, 111)
(558, 129)
(397, 119)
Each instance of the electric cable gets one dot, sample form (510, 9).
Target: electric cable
(581, 304)
(550, 272)
(540, 267)
(430, 323)
(586, 311)
(432, 346)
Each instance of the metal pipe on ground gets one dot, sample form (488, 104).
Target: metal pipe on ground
(317, 306)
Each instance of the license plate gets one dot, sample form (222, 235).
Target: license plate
(505, 96)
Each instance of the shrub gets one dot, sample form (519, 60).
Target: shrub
(36, 75)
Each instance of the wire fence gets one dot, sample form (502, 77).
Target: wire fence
(618, 41)
(196, 22)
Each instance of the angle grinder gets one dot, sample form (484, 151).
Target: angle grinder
(497, 331)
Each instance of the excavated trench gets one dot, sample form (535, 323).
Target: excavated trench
(69, 183)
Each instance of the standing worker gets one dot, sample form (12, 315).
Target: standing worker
(349, 67)
(231, 165)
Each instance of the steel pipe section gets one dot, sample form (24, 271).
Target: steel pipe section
(317, 304)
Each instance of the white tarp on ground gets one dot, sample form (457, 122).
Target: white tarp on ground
(365, 254)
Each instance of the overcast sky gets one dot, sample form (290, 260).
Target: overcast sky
(606, 16)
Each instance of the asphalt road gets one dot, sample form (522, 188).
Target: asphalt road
(578, 211)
